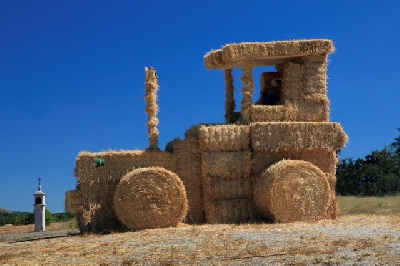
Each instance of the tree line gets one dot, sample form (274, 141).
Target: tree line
(377, 174)
(17, 218)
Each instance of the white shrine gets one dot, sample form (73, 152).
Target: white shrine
(39, 210)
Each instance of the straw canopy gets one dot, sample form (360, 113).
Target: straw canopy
(265, 53)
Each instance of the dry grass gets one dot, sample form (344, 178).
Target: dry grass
(352, 239)
(11, 230)
(373, 205)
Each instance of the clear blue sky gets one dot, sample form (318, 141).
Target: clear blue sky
(72, 76)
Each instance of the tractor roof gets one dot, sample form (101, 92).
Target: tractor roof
(232, 56)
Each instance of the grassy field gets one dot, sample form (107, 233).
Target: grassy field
(369, 205)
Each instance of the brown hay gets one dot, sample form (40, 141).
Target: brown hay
(150, 198)
(265, 53)
(269, 113)
(291, 191)
(223, 137)
(73, 201)
(325, 160)
(247, 91)
(215, 188)
(315, 74)
(302, 111)
(151, 87)
(97, 184)
(226, 165)
(312, 110)
(230, 211)
(188, 167)
(229, 97)
(293, 82)
(297, 135)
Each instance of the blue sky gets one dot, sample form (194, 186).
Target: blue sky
(72, 76)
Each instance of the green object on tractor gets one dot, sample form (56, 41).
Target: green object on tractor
(99, 162)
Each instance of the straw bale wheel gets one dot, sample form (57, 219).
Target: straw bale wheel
(292, 190)
(151, 197)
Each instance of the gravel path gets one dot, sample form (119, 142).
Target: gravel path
(38, 235)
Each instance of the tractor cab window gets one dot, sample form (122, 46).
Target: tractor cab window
(270, 88)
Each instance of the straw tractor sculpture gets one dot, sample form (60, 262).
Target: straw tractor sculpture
(274, 161)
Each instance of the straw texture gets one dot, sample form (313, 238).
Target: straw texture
(186, 154)
(224, 137)
(247, 91)
(150, 198)
(297, 135)
(97, 184)
(292, 190)
(230, 104)
(151, 87)
(73, 201)
(226, 165)
(265, 53)
(231, 211)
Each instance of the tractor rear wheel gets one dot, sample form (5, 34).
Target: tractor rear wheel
(150, 198)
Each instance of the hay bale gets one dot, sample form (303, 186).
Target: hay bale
(226, 164)
(265, 53)
(97, 184)
(292, 190)
(73, 201)
(223, 137)
(216, 188)
(315, 74)
(297, 135)
(150, 198)
(187, 156)
(231, 211)
(293, 82)
(269, 113)
(311, 110)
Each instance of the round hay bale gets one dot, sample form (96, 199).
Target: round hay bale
(148, 198)
(292, 190)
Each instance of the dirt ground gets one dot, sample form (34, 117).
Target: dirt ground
(349, 240)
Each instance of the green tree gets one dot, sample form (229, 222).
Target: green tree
(378, 174)
(49, 217)
(396, 144)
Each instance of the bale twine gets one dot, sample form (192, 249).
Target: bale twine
(148, 198)
(292, 190)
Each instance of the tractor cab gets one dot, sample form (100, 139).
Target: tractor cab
(295, 92)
